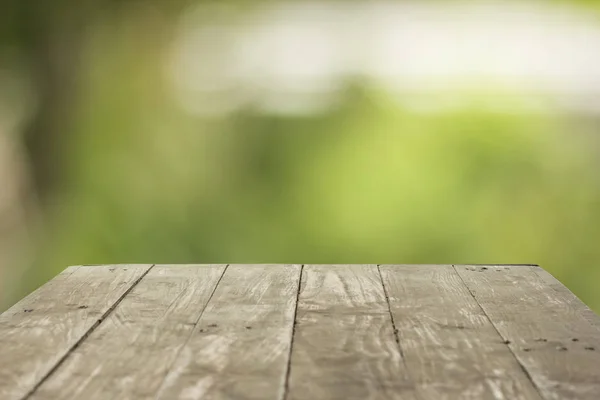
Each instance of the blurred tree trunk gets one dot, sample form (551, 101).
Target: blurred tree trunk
(18, 213)
(48, 37)
(52, 36)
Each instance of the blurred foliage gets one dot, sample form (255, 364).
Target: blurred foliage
(367, 182)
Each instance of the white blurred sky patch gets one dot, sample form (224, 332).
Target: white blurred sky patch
(294, 57)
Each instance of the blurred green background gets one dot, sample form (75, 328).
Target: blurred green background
(129, 133)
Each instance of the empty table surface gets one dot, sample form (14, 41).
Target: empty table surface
(300, 332)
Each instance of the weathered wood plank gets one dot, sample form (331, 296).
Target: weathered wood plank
(557, 346)
(564, 294)
(129, 354)
(344, 345)
(240, 348)
(39, 331)
(451, 349)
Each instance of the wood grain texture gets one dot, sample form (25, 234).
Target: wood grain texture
(240, 348)
(129, 354)
(451, 349)
(217, 332)
(551, 338)
(567, 296)
(39, 331)
(344, 345)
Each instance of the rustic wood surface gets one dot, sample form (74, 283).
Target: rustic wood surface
(240, 347)
(565, 295)
(450, 346)
(129, 354)
(344, 345)
(294, 332)
(553, 341)
(37, 333)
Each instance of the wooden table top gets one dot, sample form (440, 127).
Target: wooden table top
(300, 332)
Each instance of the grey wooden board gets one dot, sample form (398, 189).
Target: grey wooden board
(344, 345)
(129, 354)
(553, 341)
(565, 295)
(39, 331)
(451, 349)
(240, 348)
(171, 332)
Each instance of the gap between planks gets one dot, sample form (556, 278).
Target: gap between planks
(396, 331)
(87, 333)
(192, 331)
(227, 361)
(525, 371)
(288, 372)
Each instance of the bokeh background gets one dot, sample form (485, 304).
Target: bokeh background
(307, 132)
